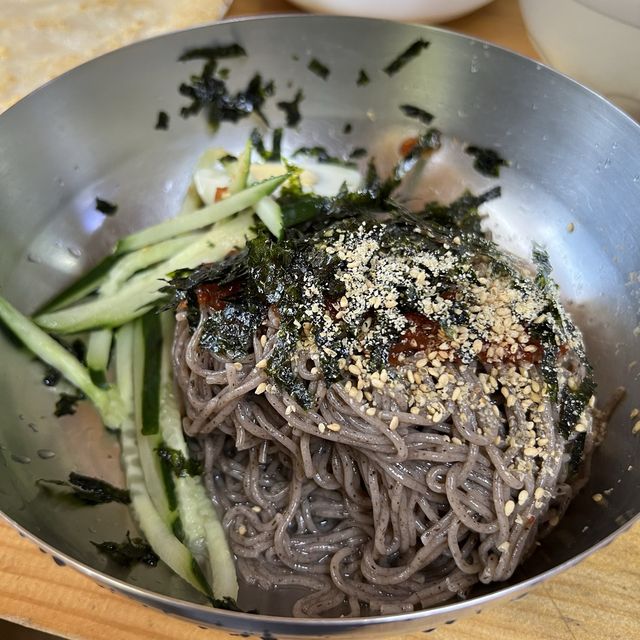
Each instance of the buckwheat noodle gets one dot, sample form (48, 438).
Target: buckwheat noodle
(368, 518)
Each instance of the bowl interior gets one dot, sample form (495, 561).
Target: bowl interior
(575, 164)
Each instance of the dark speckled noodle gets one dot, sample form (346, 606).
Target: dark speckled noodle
(368, 519)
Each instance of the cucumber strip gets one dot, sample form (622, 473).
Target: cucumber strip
(86, 284)
(241, 174)
(150, 390)
(106, 401)
(159, 483)
(203, 531)
(98, 354)
(134, 297)
(159, 535)
(270, 213)
(202, 218)
(143, 258)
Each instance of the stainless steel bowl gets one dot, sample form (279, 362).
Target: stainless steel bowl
(575, 160)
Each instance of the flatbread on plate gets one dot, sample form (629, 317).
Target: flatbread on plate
(40, 39)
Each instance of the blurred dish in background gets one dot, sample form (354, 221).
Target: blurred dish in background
(420, 10)
(597, 43)
(41, 40)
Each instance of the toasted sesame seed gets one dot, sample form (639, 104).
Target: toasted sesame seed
(377, 383)
(334, 426)
(456, 394)
(321, 427)
(256, 508)
(288, 410)
(414, 410)
(355, 370)
(509, 506)
(522, 496)
(504, 547)
(636, 427)
(263, 340)
(261, 388)
(597, 497)
(571, 227)
(539, 493)
(371, 411)
(634, 413)
(237, 366)
(531, 452)
(242, 530)
(261, 364)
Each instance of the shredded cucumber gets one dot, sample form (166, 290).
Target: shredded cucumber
(241, 171)
(203, 532)
(98, 353)
(156, 530)
(107, 401)
(145, 392)
(269, 212)
(202, 218)
(134, 297)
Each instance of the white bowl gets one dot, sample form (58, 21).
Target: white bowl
(408, 10)
(596, 43)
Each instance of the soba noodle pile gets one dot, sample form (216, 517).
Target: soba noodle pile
(387, 414)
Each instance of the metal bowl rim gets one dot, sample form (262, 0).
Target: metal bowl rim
(161, 601)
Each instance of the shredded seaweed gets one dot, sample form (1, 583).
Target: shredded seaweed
(292, 109)
(412, 51)
(66, 405)
(416, 112)
(209, 91)
(162, 123)
(462, 214)
(487, 161)
(88, 490)
(363, 78)
(179, 465)
(269, 155)
(321, 155)
(214, 52)
(106, 207)
(321, 70)
(128, 553)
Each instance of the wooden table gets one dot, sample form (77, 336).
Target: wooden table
(595, 600)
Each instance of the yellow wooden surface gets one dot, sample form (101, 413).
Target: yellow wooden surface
(595, 600)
